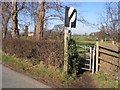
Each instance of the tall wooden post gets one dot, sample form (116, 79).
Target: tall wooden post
(93, 61)
(90, 56)
(97, 56)
(66, 38)
(85, 52)
(119, 40)
(65, 50)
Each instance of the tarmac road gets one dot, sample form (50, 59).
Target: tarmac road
(12, 79)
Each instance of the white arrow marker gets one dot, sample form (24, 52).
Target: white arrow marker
(71, 10)
(73, 17)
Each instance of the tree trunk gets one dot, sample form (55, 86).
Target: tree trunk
(14, 21)
(35, 30)
(5, 18)
(40, 21)
(26, 31)
(4, 30)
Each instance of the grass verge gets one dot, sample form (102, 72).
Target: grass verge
(49, 74)
(104, 80)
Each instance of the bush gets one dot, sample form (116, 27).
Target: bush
(49, 52)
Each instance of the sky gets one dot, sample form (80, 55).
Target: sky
(91, 12)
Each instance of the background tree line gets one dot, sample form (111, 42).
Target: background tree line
(41, 13)
(108, 24)
(38, 11)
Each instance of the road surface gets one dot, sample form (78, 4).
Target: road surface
(12, 79)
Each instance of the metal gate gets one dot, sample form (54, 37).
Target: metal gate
(86, 57)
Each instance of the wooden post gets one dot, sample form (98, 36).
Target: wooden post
(105, 39)
(66, 38)
(93, 60)
(119, 43)
(66, 50)
(102, 40)
(97, 55)
(90, 56)
(85, 52)
(113, 42)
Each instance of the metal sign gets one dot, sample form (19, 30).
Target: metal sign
(72, 14)
(70, 17)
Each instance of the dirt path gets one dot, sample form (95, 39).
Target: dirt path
(84, 81)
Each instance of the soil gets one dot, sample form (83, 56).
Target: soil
(84, 81)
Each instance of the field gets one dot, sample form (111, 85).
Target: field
(84, 40)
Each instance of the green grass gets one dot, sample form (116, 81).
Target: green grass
(104, 80)
(86, 43)
(18, 64)
(39, 71)
(84, 40)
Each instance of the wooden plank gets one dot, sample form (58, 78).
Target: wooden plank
(109, 46)
(108, 61)
(109, 53)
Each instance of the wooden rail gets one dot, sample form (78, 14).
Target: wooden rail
(109, 46)
(107, 50)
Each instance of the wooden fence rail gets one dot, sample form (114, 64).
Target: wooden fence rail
(106, 56)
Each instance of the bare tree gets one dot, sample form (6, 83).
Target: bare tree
(43, 12)
(14, 18)
(40, 11)
(102, 33)
(40, 20)
(110, 21)
(43, 15)
(6, 9)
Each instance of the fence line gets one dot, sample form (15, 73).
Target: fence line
(105, 50)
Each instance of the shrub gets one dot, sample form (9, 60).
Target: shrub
(49, 52)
